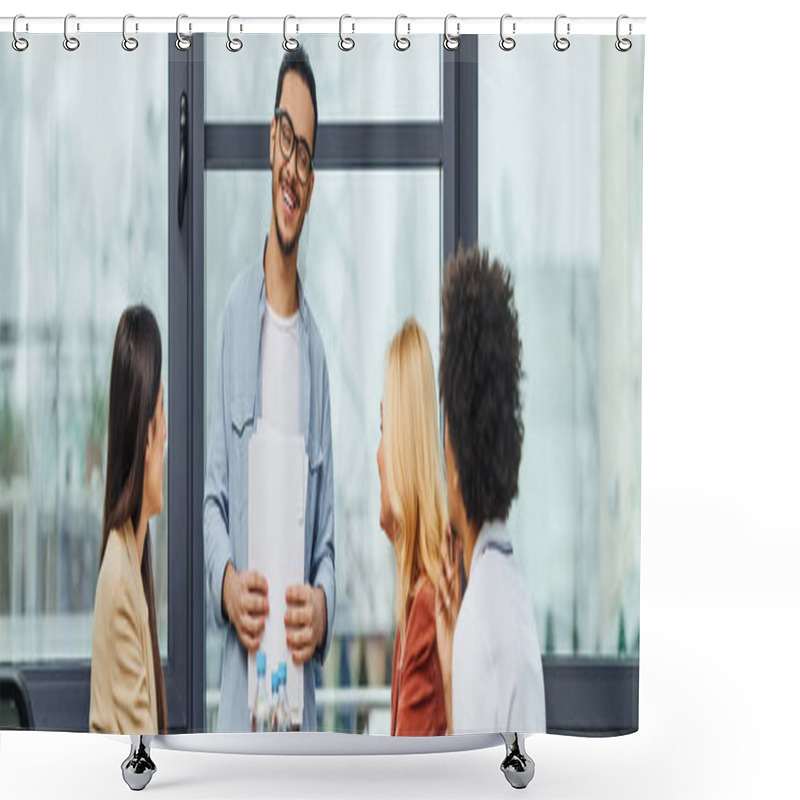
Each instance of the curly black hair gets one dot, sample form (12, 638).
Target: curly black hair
(479, 382)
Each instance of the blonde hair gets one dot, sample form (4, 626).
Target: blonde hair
(413, 462)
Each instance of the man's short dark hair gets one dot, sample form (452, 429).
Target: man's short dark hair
(297, 61)
(479, 382)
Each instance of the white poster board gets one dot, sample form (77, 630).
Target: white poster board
(277, 478)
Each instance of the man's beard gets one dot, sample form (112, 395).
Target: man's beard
(286, 246)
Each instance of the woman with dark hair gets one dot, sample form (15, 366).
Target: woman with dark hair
(128, 694)
(488, 643)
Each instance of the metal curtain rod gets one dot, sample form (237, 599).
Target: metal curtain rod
(309, 25)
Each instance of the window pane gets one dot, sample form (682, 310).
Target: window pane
(560, 203)
(373, 82)
(83, 234)
(360, 288)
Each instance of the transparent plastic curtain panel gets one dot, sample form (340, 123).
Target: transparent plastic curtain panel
(145, 177)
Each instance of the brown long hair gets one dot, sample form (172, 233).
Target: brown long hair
(135, 384)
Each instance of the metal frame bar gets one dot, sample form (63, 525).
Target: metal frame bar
(591, 696)
(460, 139)
(177, 702)
(196, 465)
(349, 146)
(185, 671)
(186, 657)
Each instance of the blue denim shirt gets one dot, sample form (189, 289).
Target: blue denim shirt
(236, 407)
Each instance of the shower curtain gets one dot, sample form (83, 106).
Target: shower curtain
(184, 179)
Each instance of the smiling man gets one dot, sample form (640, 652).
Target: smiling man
(272, 371)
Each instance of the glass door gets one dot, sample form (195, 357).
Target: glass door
(84, 232)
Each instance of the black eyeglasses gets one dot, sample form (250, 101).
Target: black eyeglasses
(288, 140)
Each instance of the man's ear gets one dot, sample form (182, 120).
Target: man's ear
(310, 191)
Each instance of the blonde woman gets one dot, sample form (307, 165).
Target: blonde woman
(414, 517)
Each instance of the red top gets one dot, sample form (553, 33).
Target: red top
(417, 691)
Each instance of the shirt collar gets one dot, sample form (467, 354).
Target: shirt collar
(494, 535)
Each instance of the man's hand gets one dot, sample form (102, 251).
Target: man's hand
(306, 621)
(245, 597)
(448, 602)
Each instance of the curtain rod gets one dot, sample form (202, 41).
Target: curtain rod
(407, 26)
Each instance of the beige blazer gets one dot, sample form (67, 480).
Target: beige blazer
(123, 679)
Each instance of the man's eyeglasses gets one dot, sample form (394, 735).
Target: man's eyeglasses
(288, 140)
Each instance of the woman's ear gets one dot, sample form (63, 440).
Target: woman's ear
(149, 444)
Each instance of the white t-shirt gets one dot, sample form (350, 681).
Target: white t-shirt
(280, 372)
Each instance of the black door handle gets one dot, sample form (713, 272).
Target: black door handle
(183, 159)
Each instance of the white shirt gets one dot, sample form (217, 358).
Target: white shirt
(498, 684)
(280, 372)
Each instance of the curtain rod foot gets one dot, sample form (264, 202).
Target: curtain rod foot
(138, 768)
(517, 766)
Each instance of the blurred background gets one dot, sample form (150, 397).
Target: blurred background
(83, 234)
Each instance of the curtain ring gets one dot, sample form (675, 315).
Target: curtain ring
(450, 42)
(561, 43)
(507, 43)
(128, 42)
(233, 44)
(70, 42)
(18, 43)
(345, 42)
(181, 42)
(401, 43)
(288, 44)
(623, 45)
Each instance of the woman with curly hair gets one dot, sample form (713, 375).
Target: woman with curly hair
(488, 643)
(414, 517)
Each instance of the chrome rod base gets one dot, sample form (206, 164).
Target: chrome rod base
(517, 766)
(138, 768)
